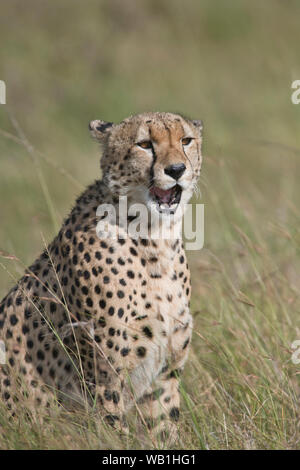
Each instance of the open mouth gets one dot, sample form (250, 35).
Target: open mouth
(167, 199)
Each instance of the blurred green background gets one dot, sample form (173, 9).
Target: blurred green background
(230, 63)
(66, 62)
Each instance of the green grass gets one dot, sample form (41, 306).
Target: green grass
(231, 65)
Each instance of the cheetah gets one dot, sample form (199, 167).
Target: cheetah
(106, 320)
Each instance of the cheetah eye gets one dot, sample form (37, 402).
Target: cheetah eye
(186, 141)
(145, 144)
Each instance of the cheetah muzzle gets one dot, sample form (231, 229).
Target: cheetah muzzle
(168, 199)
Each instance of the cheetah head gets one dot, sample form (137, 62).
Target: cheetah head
(152, 158)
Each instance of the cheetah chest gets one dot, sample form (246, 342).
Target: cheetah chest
(165, 326)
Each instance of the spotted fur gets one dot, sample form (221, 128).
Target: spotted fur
(108, 320)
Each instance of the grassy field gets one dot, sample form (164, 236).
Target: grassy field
(231, 64)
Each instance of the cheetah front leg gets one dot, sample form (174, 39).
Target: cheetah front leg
(108, 393)
(160, 410)
(110, 402)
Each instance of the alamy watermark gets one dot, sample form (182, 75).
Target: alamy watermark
(295, 97)
(296, 354)
(2, 353)
(2, 92)
(137, 221)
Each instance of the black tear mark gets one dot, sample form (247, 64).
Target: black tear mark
(153, 163)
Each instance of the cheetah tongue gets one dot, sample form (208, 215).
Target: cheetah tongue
(163, 196)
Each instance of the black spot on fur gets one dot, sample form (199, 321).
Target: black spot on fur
(141, 351)
(125, 351)
(133, 251)
(120, 312)
(147, 332)
(13, 320)
(174, 414)
(111, 311)
(102, 322)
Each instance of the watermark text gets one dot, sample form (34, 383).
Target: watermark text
(2, 92)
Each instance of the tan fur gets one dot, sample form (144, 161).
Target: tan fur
(121, 308)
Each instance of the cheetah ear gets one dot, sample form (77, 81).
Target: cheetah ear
(100, 129)
(199, 125)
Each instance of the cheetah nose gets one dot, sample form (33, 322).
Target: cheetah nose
(175, 171)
